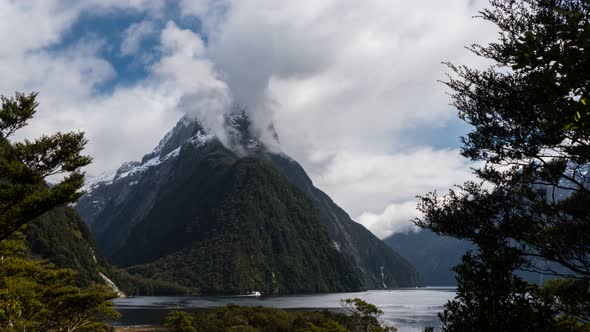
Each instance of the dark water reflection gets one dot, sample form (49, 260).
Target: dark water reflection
(407, 309)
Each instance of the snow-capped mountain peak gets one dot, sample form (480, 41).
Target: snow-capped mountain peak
(186, 131)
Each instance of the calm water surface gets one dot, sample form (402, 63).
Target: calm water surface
(407, 309)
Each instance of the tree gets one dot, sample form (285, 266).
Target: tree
(364, 316)
(491, 298)
(37, 296)
(531, 132)
(570, 297)
(34, 294)
(25, 166)
(179, 321)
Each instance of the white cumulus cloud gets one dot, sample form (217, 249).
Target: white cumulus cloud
(392, 220)
(351, 86)
(134, 35)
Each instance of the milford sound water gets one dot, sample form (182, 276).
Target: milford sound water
(409, 309)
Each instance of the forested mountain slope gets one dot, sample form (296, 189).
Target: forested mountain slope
(193, 210)
(62, 237)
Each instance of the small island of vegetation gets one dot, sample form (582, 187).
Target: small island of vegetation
(358, 316)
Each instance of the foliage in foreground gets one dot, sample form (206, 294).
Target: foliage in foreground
(37, 296)
(362, 317)
(530, 210)
(24, 166)
(34, 294)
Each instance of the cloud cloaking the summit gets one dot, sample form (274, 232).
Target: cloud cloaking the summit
(348, 87)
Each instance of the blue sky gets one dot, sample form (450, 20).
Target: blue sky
(351, 86)
(107, 26)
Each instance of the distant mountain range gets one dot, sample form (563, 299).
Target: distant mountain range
(210, 219)
(433, 255)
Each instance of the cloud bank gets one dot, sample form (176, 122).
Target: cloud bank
(351, 87)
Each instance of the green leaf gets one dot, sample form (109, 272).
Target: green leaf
(577, 116)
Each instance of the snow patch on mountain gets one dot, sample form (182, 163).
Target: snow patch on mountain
(253, 144)
(163, 142)
(200, 139)
(128, 169)
(103, 178)
(155, 161)
(132, 170)
(184, 122)
(237, 119)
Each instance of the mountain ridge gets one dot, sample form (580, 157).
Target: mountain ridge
(188, 146)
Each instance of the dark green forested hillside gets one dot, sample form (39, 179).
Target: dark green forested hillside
(376, 264)
(61, 236)
(263, 235)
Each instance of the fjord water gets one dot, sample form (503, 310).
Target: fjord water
(409, 309)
